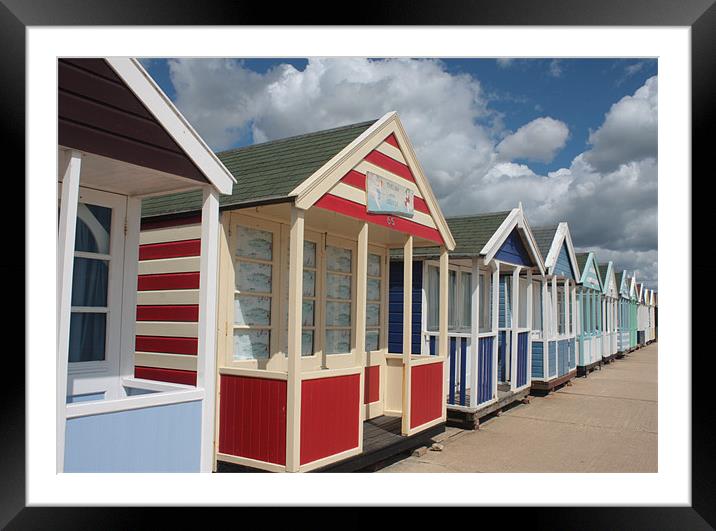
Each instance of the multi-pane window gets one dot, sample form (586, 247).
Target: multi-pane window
(466, 300)
(90, 282)
(254, 292)
(485, 302)
(433, 297)
(536, 305)
(452, 300)
(522, 310)
(560, 310)
(339, 299)
(459, 300)
(373, 296)
(308, 311)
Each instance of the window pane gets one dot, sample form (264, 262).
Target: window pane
(338, 341)
(307, 343)
(537, 306)
(466, 299)
(338, 314)
(89, 282)
(309, 254)
(338, 259)
(338, 286)
(87, 336)
(254, 243)
(307, 313)
(253, 277)
(250, 310)
(251, 344)
(93, 228)
(374, 265)
(309, 283)
(372, 314)
(452, 299)
(373, 292)
(433, 296)
(372, 340)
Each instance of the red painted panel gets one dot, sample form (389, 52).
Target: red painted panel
(178, 249)
(252, 418)
(169, 345)
(329, 416)
(168, 281)
(166, 375)
(390, 139)
(392, 165)
(357, 180)
(170, 222)
(180, 313)
(426, 393)
(371, 390)
(349, 208)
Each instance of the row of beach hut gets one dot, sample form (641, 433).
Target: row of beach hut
(296, 305)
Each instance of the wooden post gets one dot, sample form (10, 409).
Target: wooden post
(65, 265)
(515, 325)
(546, 327)
(208, 284)
(529, 325)
(474, 332)
(555, 308)
(295, 300)
(443, 318)
(495, 322)
(407, 330)
(361, 296)
(129, 289)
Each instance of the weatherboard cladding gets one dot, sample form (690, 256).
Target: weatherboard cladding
(563, 266)
(395, 307)
(98, 113)
(267, 171)
(513, 251)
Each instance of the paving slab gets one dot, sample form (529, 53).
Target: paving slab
(606, 422)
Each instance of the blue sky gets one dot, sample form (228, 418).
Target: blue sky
(573, 139)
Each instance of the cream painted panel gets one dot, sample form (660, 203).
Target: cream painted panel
(164, 328)
(180, 362)
(169, 265)
(170, 234)
(179, 296)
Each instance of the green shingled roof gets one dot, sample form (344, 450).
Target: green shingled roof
(544, 237)
(265, 172)
(471, 233)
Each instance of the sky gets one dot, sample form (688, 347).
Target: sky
(573, 139)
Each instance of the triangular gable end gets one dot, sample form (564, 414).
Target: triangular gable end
(624, 287)
(590, 275)
(610, 282)
(385, 151)
(515, 222)
(514, 251)
(563, 265)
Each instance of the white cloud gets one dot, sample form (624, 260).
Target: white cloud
(539, 140)
(629, 131)
(504, 62)
(607, 194)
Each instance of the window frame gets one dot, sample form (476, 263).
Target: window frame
(115, 277)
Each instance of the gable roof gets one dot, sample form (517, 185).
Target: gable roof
(582, 260)
(304, 169)
(266, 172)
(551, 241)
(480, 235)
(111, 107)
(544, 236)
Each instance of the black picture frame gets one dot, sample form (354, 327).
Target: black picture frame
(699, 15)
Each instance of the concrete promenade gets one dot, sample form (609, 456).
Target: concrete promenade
(606, 422)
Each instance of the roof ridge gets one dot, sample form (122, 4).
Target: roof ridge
(296, 137)
(483, 214)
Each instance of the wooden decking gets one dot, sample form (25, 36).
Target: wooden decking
(469, 418)
(541, 387)
(583, 370)
(381, 441)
